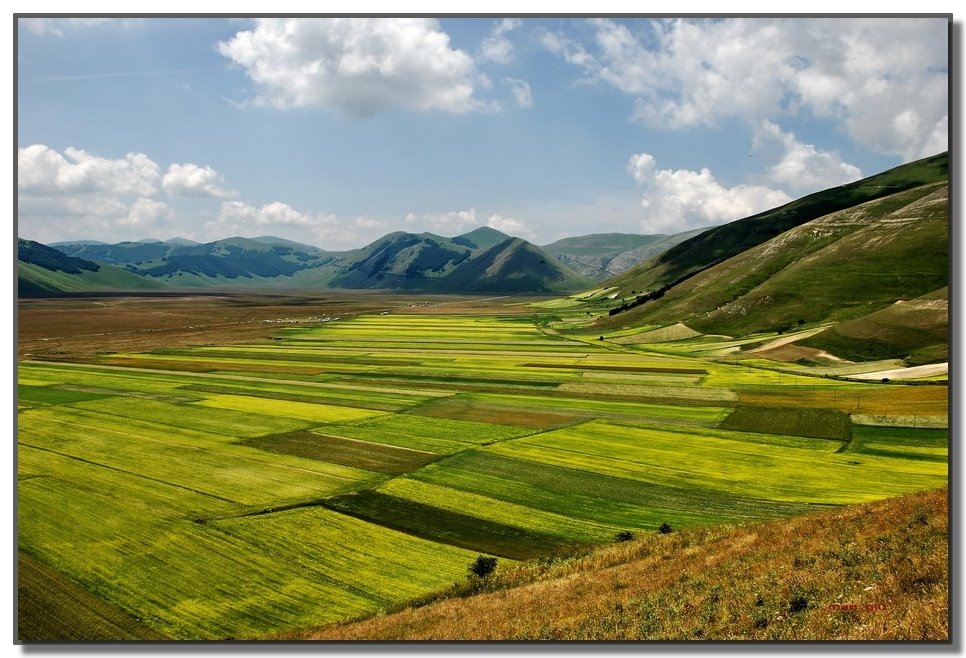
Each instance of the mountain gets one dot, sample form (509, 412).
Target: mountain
(472, 262)
(875, 571)
(514, 265)
(481, 238)
(876, 270)
(399, 260)
(720, 243)
(602, 255)
(43, 270)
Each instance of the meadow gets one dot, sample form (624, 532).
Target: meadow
(209, 488)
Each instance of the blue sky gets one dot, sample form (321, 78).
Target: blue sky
(336, 132)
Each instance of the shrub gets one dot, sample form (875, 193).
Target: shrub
(665, 528)
(483, 566)
(624, 535)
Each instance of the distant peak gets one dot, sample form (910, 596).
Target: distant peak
(484, 231)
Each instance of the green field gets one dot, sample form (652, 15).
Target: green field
(340, 470)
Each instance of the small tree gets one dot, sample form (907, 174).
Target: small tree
(624, 535)
(665, 528)
(483, 566)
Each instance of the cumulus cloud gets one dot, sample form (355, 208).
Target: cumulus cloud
(511, 226)
(356, 67)
(520, 90)
(147, 213)
(447, 223)
(327, 230)
(802, 168)
(680, 200)
(240, 216)
(496, 47)
(192, 180)
(76, 193)
(43, 171)
(885, 81)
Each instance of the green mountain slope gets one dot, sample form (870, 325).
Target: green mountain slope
(514, 265)
(230, 261)
(43, 271)
(723, 242)
(399, 260)
(848, 267)
(917, 330)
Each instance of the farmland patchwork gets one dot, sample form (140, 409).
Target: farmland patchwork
(348, 467)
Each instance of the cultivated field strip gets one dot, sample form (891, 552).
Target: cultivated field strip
(344, 468)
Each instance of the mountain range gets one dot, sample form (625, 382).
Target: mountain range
(484, 260)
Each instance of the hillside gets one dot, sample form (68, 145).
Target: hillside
(723, 242)
(603, 255)
(876, 571)
(834, 271)
(43, 271)
(180, 262)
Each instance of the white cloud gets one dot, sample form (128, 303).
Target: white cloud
(447, 224)
(356, 67)
(326, 230)
(680, 200)
(884, 80)
(242, 217)
(802, 168)
(43, 171)
(511, 226)
(191, 180)
(521, 92)
(496, 47)
(147, 213)
(571, 51)
(78, 194)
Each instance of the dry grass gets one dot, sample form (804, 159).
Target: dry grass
(877, 571)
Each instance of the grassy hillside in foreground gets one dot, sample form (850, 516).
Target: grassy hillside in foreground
(723, 242)
(875, 571)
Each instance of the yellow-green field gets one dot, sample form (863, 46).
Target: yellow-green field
(344, 468)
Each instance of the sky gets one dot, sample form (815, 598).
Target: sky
(334, 132)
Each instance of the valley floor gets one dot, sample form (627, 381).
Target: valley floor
(241, 466)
